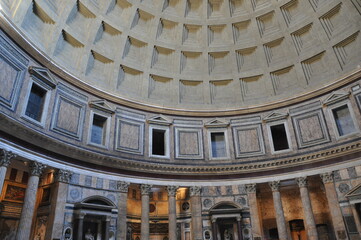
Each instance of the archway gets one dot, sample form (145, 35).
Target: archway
(226, 221)
(93, 218)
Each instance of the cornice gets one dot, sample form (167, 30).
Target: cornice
(20, 38)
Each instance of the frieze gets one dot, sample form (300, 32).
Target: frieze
(6, 157)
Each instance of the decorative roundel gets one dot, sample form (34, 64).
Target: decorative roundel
(246, 232)
(152, 208)
(207, 203)
(185, 206)
(343, 188)
(207, 235)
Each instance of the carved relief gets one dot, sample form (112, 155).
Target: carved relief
(62, 175)
(327, 177)
(274, 185)
(172, 190)
(195, 191)
(145, 189)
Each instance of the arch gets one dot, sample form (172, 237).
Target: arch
(225, 205)
(98, 200)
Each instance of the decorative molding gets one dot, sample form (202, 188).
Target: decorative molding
(44, 75)
(62, 175)
(6, 157)
(36, 168)
(251, 188)
(319, 156)
(195, 191)
(302, 182)
(327, 177)
(275, 116)
(145, 189)
(172, 190)
(216, 123)
(275, 185)
(123, 186)
(101, 105)
(335, 97)
(160, 120)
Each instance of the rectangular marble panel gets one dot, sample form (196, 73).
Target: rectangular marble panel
(310, 128)
(69, 113)
(188, 143)
(12, 68)
(248, 140)
(129, 136)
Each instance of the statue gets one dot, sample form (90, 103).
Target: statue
(89, 235)
(227, 235)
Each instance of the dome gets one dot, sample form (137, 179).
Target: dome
(197, 56)
(180, 119)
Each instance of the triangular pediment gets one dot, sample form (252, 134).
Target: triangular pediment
(160, 120)
(101, 105)
(354, 192)
(217, 122)
(44, 75)
(336, 97)
(274, 116)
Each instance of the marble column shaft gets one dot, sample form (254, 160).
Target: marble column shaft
(80, 226)
(107, 228)
(310, 224)
(214, 229)
(172, 212)
(334, 206)
(122, 210)
(5, 159)
(54, 229)
(196, 207)
(144, 228)
(27, 212)
(239, 228)
(257, 230)
(280, 217)
(357, 218)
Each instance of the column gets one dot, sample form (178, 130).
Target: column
(144, 228)
(239, 228)
(172, 221)
(257, 230)
(5, 159)
(280, 217)
(196, 207)
(79, 235)
(334, 207)
(107, 229)
(214, 229)
(122, 210)
(356, 217)
(27, 212)
(310, 224)
(57, 207)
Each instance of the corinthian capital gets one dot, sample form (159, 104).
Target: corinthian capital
(5, 157)
(195, 191)
(145, 189)
(36, 168)
(123, 186)
(327, 177)
(251, 188)
(275, 185)
(302, 181)
(62, 175)
(172, 190)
